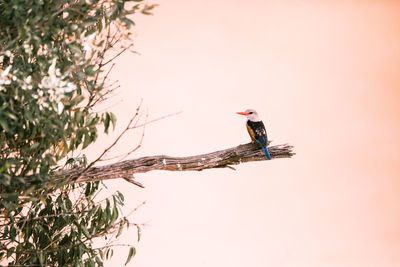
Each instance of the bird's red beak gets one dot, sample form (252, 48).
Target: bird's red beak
(242, 113)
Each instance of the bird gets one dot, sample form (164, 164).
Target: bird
(256, 129)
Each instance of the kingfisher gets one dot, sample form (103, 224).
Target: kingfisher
(256, 129)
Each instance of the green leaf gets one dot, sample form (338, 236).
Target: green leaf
(4, 125)
(75, 49)
(10, 116)
(13, 233)
(121, 196)
(85, 232)
(113, 119)
(147, 8)
(99, 261)
(90, 262)
(120, 228)
(107, 122)
(69, 161)
(5, 231)
(41, 259)
(86, 141)
(139, 233)
(34, 146)
(10, 251)
(128, 22)
(87, 191)
(132, 252)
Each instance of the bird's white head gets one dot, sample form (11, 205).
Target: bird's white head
(251, 114)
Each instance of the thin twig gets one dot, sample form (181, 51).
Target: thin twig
(140, 141)
(62, 9)
(115, 141)
(117, 55)
(157, 119)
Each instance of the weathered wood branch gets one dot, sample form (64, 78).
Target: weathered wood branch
(218, 159)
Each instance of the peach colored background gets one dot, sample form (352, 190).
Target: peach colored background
(324, 76)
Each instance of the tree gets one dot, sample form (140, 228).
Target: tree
(55, 57)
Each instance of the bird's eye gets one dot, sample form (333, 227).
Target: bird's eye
(250, 112)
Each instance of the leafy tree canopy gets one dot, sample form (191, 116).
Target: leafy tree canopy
(55, 56)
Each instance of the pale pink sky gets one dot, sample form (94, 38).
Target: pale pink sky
(324, 76)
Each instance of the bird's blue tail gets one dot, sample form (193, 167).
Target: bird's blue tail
(265, 150)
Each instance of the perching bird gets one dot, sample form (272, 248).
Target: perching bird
(256, 129)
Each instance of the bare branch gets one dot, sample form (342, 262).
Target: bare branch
(157, 119)
(116, 140)
(117, 55)
(218, 159)
(123, 156)
(132, 181)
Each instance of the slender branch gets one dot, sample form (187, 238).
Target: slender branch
(46, 217)
(113, 245)
(218, 159)
(123, 156)
(63, 9)
(135, 209)
(117, 55)
(157, 119)
(114, 143)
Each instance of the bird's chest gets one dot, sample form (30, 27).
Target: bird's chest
(251, 133)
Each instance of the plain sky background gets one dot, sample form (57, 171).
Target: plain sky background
(324, 77)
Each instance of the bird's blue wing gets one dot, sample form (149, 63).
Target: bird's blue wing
(260, 135)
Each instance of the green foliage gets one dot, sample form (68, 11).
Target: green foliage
(53, 72)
